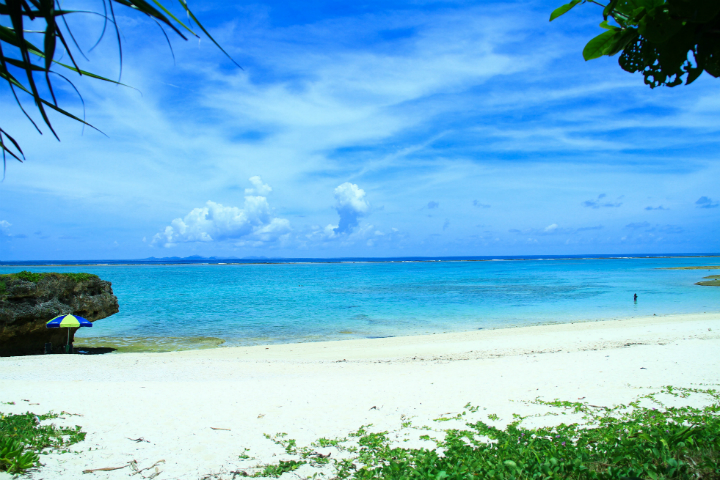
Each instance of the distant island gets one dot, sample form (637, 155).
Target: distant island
(198, 257)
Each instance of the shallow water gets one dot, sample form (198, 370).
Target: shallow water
(172, 307)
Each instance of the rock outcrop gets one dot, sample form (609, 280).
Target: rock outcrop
(29, 300)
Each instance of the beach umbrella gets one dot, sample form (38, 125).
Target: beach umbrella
(68, 321)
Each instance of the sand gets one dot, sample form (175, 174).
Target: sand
(174, 400)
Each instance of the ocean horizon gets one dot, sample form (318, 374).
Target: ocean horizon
(199, 302)
(198, 259)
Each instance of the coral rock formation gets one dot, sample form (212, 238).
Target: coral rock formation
(29, 300)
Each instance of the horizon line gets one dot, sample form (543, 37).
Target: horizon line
(255, 260)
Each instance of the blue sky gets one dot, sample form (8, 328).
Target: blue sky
(372, 129)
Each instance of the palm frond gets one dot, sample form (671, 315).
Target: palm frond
(18, 70)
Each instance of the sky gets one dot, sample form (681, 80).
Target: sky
(370, 129)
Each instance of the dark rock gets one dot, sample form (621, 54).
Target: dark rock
(28, 302)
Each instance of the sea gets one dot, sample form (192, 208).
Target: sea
(182, 304)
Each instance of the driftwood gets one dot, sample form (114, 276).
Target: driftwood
(132, 465)
(105, 469)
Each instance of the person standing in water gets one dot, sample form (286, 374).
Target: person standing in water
(635, 298)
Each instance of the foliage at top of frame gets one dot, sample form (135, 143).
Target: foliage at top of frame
(25, 52)
(668, 41)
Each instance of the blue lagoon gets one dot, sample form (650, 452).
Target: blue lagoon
(179, 306)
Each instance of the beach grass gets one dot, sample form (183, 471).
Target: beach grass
(23, 438)
(645, 439)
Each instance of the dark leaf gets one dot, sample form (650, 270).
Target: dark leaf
(608, 10)
(597, 47)
(659, 27)
(622, 39)
(563, 9)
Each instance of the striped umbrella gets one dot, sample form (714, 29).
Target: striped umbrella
(68, 321)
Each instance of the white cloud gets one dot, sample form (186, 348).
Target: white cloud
(4, 224)
(551, 228)
(253, 224)
(459, 109)
(350, 204)
(259, 188)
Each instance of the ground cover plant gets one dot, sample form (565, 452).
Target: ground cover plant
(36, 277)
(23, 438)
(645, 439)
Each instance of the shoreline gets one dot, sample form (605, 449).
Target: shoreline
(401, 339)
(464, 345)
(199, 410)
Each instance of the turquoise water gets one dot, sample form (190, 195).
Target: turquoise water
(281, 303)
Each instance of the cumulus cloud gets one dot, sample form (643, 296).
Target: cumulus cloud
(253, 224)
(706, 202)
(600, 202)
(351, 205)
(433, 204)
(259, 188)
(4, 225)
(656, 208)
(480, 204)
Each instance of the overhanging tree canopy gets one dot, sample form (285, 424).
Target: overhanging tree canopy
(34, 32)
(667, 40)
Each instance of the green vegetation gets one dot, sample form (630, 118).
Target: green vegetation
(23, 439)
(710, 281)
(645, 439)
(36, 277)
(306, 456)
(668, 41)
(283, 466)
(28, 276)
(330, 442)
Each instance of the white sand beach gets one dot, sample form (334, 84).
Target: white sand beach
(199, 410)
